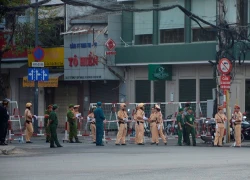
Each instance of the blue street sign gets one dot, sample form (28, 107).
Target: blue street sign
(38, 74)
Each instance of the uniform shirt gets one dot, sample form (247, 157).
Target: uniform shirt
(159, 117)
(28, 115)
(238, 117)
(189, 118)
(70, 116)
(152, 118)
(53, 118)
(121, 115)
(220, 118)
(91, 116)
(99, 116)
(139, 115)
(4, 115)
(46, 119)
(180, 120)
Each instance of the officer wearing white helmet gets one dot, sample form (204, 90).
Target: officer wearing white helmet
(122, 121)
(140, 118)
(4, 118)
(28, 122)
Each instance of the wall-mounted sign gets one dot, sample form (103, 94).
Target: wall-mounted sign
(53, 82)
(82, 63)
(82, 45)
(91, 60)
(159, 72)
(53, 57)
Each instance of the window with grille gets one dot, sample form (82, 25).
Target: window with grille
(207, 34)
(172, 35)
(143, 39)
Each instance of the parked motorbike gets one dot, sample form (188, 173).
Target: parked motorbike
(245, 130)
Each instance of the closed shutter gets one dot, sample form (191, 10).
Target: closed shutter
(159, 91)
(206, 86)
(142, 91)
(64, 95)
(104, 92)
(187, 90)
(26, 94)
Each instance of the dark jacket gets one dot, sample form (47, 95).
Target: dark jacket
(4, 115)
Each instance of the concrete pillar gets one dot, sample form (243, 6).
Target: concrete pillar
(151, 91)
(197, 91)
(122, 93)
(41, 103)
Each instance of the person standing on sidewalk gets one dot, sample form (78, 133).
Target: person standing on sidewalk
(100, 119)
(153, 127)
(72, 120)
(140, 118)
(79, 117)
(91, 119)
(237, 121)
(4, 118)
(180, 123)
(160, 124)
(184, 131)
(122, 121)
(28, 123)
(190, 127)
(220, 118)
(53, 122)
(46, 119)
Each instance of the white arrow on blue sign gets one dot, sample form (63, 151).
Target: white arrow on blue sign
(38, 74)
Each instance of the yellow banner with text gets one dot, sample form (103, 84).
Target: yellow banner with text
(52, 57)
(53, 82)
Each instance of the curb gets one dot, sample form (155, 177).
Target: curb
(7, 150)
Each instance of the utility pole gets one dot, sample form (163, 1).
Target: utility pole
(36, 82)
(222, 45)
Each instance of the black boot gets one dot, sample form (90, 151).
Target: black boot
(71, 141)
(77, 140)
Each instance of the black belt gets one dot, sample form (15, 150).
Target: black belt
(219, 122)
(92, 122)
(27, 121)
(121, 122)
(153, 121)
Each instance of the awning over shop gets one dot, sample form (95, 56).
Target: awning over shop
(87, 29)
(53, 81)
(12, 65)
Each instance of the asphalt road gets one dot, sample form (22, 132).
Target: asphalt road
(132, 162)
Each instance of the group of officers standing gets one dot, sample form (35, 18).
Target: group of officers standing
(185, 121)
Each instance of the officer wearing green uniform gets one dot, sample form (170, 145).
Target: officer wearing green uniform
(180, 123)
(190, 127)
(46, 119)
(72, 120)
(53, 126)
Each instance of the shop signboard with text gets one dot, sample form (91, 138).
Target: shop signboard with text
(83, 58)
(159, 72)
(52, 57)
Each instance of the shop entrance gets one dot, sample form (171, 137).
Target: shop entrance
(247, 99)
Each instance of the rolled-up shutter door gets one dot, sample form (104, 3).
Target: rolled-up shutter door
(142, 91)
(64, 95)
(104, 92)
(187, 90)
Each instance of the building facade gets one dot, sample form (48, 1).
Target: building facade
(168, 38)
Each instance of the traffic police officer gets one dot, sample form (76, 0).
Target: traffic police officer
(122, 121)
(140, 118)
(159, 123)
(220, 118)
(153, 127)
(237, 120)
(28, 122)
(190, 127)
(53, 122)
(91, 119)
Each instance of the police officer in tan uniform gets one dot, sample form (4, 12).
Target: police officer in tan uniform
(220, 118)
(91, 119)
(237, 128)
(153, 127)
(160, 123)
(28, 123)
(140, 118)
(122, 121)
